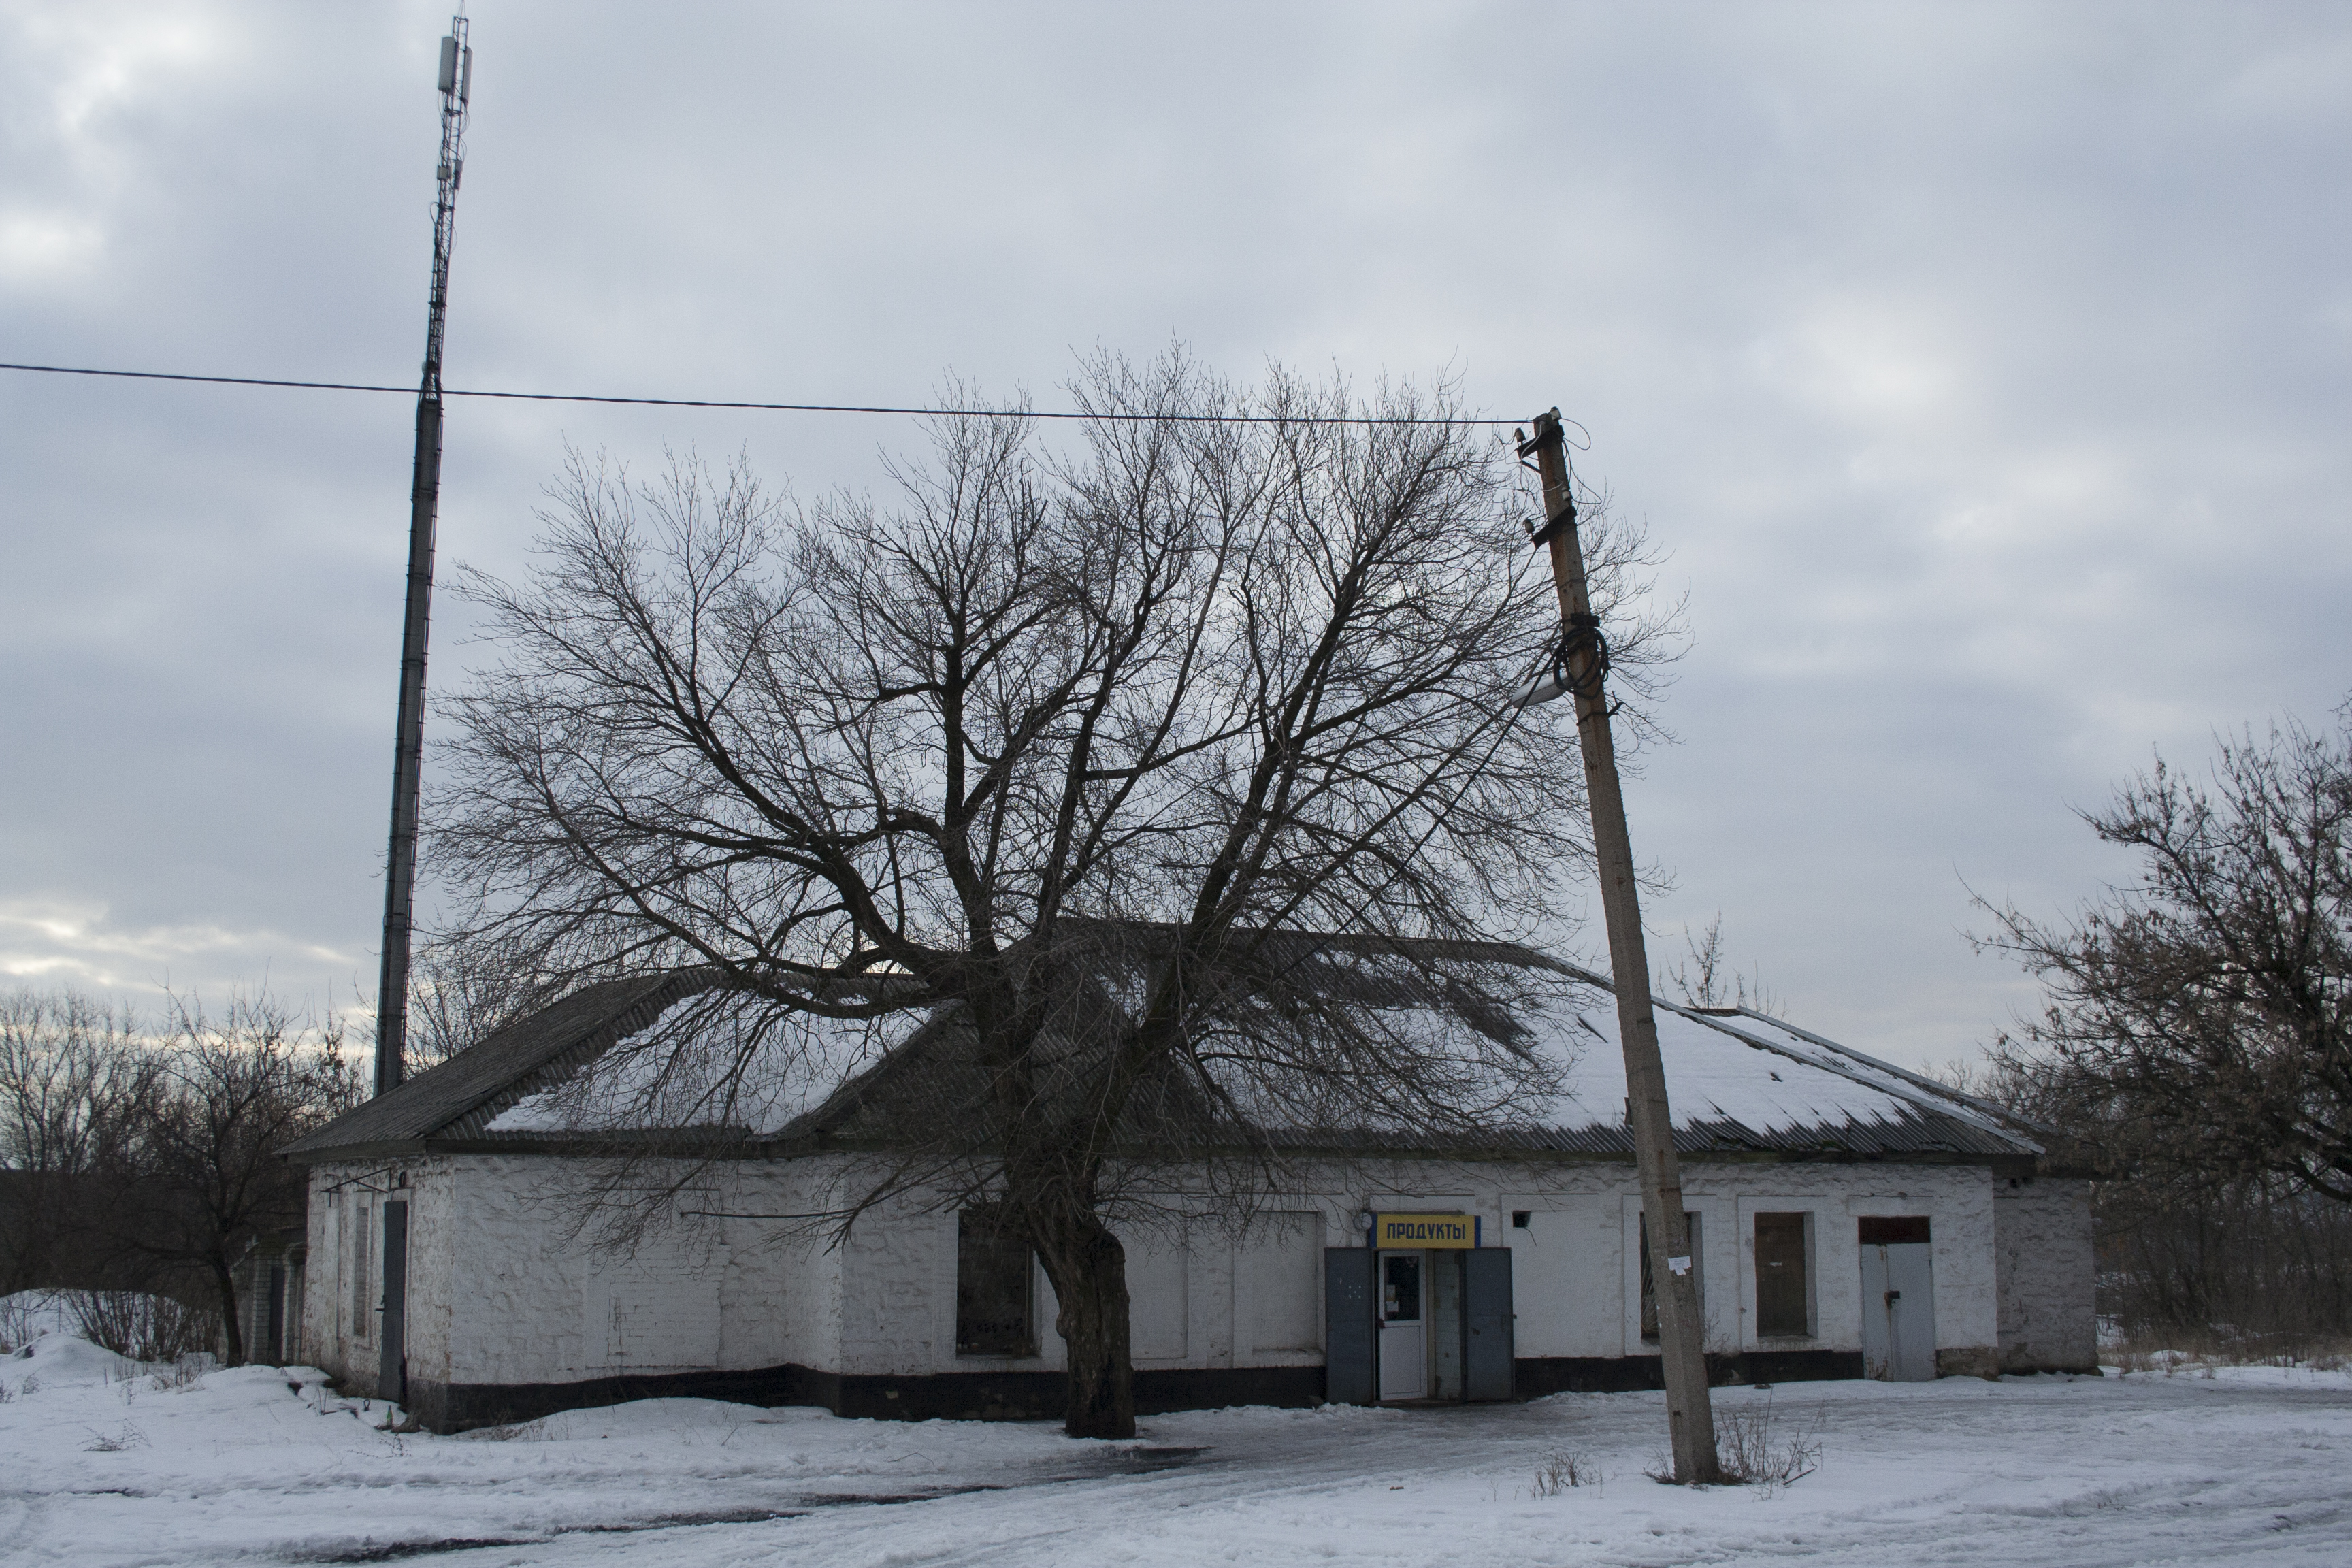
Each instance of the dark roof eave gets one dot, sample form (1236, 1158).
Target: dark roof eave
(1616, 1150)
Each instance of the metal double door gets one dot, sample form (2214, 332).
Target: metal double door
(1377, 1345)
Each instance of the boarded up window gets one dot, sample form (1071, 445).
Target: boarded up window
(362, 1309)
(993, 1302)
(651, 1314)
(1156, 1301)
(1783, 1297)
(1283, 1262)
(1650, 1283)
(1893, 1230)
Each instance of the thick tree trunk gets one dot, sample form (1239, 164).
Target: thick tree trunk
(1088, 1269)
(225, 1287)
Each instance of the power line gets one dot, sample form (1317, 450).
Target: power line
(768, 408)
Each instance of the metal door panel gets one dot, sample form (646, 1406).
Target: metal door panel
(1898, 1312)
(1912, 1313)
(392, 1368)
(1349, 1302)
(1874, 1311)
(1487, 1289)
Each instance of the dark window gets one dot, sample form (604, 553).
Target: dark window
(1782, 1298)
(1893, 1230)
(992, 1289)
(1519, 1218)
(1401, 1287)
(1650, 1283)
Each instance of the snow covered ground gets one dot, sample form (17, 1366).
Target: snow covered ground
(104, 1462)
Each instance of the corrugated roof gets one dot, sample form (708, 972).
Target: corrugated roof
(1742, 1084)
(457, 1098)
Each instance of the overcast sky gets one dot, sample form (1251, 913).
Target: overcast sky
(1984, 368)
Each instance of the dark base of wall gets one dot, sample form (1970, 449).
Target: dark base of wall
(1041, 1395)
(958, 1395)
(1538, 1375)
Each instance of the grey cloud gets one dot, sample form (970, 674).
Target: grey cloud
(1984, 367)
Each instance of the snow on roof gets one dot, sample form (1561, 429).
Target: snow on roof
(1738, 1081)
(684, 1058)
(699, 1065)
(1713, 1075)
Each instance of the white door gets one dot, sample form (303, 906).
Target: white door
(1898, 1312)
(1405, 1345)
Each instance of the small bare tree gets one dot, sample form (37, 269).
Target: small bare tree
(2200, 1019)
(1704, 975)
(1070, 748)
(200, 1177)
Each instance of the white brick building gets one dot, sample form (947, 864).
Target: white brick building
(1852, 1219)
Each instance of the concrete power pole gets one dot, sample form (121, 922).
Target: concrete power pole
(456, 81)
(1581, 672)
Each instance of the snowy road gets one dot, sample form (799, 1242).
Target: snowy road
(2253, 1464)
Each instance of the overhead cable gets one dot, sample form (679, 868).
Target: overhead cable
(767, 407)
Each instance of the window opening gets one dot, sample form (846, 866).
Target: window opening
(1893, 1230)
(1401, 1288)
(1650, 1283)
(1783, 1296)
(994, 1287)
(1519, 1218)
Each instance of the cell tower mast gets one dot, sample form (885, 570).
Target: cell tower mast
(408, 749)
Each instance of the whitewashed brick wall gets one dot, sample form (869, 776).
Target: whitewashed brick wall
(2048, 1272)
(501, 1291)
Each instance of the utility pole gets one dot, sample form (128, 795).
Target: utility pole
(456, 81)
(1581, 670)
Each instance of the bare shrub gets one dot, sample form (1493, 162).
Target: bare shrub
(2170, 1349)
(123, 1437)
(185, 1373)
(1759, 1448)
(15, 1323)
(521, 1431)
(1562, 1468)
(142, 1327)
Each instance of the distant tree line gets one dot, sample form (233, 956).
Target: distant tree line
(2197, 1036)
(146, 1161)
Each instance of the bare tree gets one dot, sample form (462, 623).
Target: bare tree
(200, 1176)
(72, 1084)
(464, 990)
(1704, 975)
(2202, 1017)
(1064, 750)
